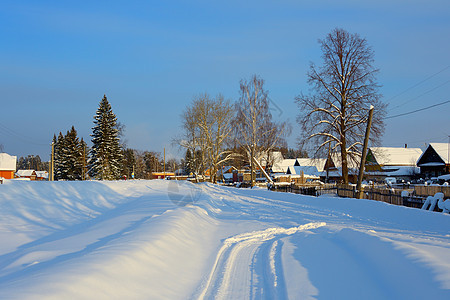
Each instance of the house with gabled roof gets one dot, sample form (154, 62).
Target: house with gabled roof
(283, 165)
(41, 175)
(7, 165)
(435, 160)
(312, 167)
(318, 163)
(274, 160)
(398, 162)
(332, 170)
(27, 174)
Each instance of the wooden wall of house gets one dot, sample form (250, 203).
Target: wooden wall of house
(7, 174)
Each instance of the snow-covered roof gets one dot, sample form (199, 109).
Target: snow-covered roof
(42, 174)
(338, 172)
(444, 177)
(228, 175)
(274, 157)
(432, 164)
(25, 173)
(396, 171)
(442, 149)
(7, 162)
(307, 170)
(318, 163)
(226, 169)
(396, 156)
(282, 166)
(336, 157)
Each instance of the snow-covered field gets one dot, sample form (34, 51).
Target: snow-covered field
(176, 240)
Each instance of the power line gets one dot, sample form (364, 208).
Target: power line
(417, 110)
(417, 97)
(442, 138)
(419, 83)
(19, 136)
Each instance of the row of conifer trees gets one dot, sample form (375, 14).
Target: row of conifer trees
(72, 160)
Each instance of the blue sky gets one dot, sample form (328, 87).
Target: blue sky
(58, 58)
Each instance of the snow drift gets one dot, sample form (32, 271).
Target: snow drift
(176, 240)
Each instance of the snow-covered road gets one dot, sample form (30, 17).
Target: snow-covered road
(176, 240)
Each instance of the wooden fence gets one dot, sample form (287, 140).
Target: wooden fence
(306, 189)
(392, 196)
(430, 190)
(416, 197)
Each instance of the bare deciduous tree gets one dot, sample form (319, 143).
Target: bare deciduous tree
(344, 86)
(189, 138)
(215, 116)
(255, 130)
(207, 127)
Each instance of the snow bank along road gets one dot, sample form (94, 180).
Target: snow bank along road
(176, 240)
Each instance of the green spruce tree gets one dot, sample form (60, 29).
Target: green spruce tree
(83, 159)
(59, 158)
(73, 153)
(105, 154)
(69, 156)
(128, 162)
(188, 163)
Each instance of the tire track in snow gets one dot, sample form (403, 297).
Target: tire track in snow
(232, 270)
(267, 272)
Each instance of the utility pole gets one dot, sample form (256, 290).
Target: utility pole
(164, 164)
(448, 154)
(83, 171)
(328, 163)
(52, 163)
(252, 167)
(363, 156)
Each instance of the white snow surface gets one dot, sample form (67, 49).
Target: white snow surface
(176, 240)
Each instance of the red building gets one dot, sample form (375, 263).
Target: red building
(7, 165)
(30, 174)
(161, 175)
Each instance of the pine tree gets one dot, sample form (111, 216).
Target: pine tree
(83, 159)
(128, 162)
(59, 157)
(188, 163)
(73, 153)
(69, 156)
(105, 154)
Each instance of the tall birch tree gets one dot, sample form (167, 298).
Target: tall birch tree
(255, 130)
(207, 129)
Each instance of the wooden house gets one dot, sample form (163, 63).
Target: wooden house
(29, 174)
(435, 160)
(226, 173)
(41, 175)
(398, 162)
(283, 165)
(270, 161)
(7, 165)
(310, 167)
(332, 169)
(161, 175)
